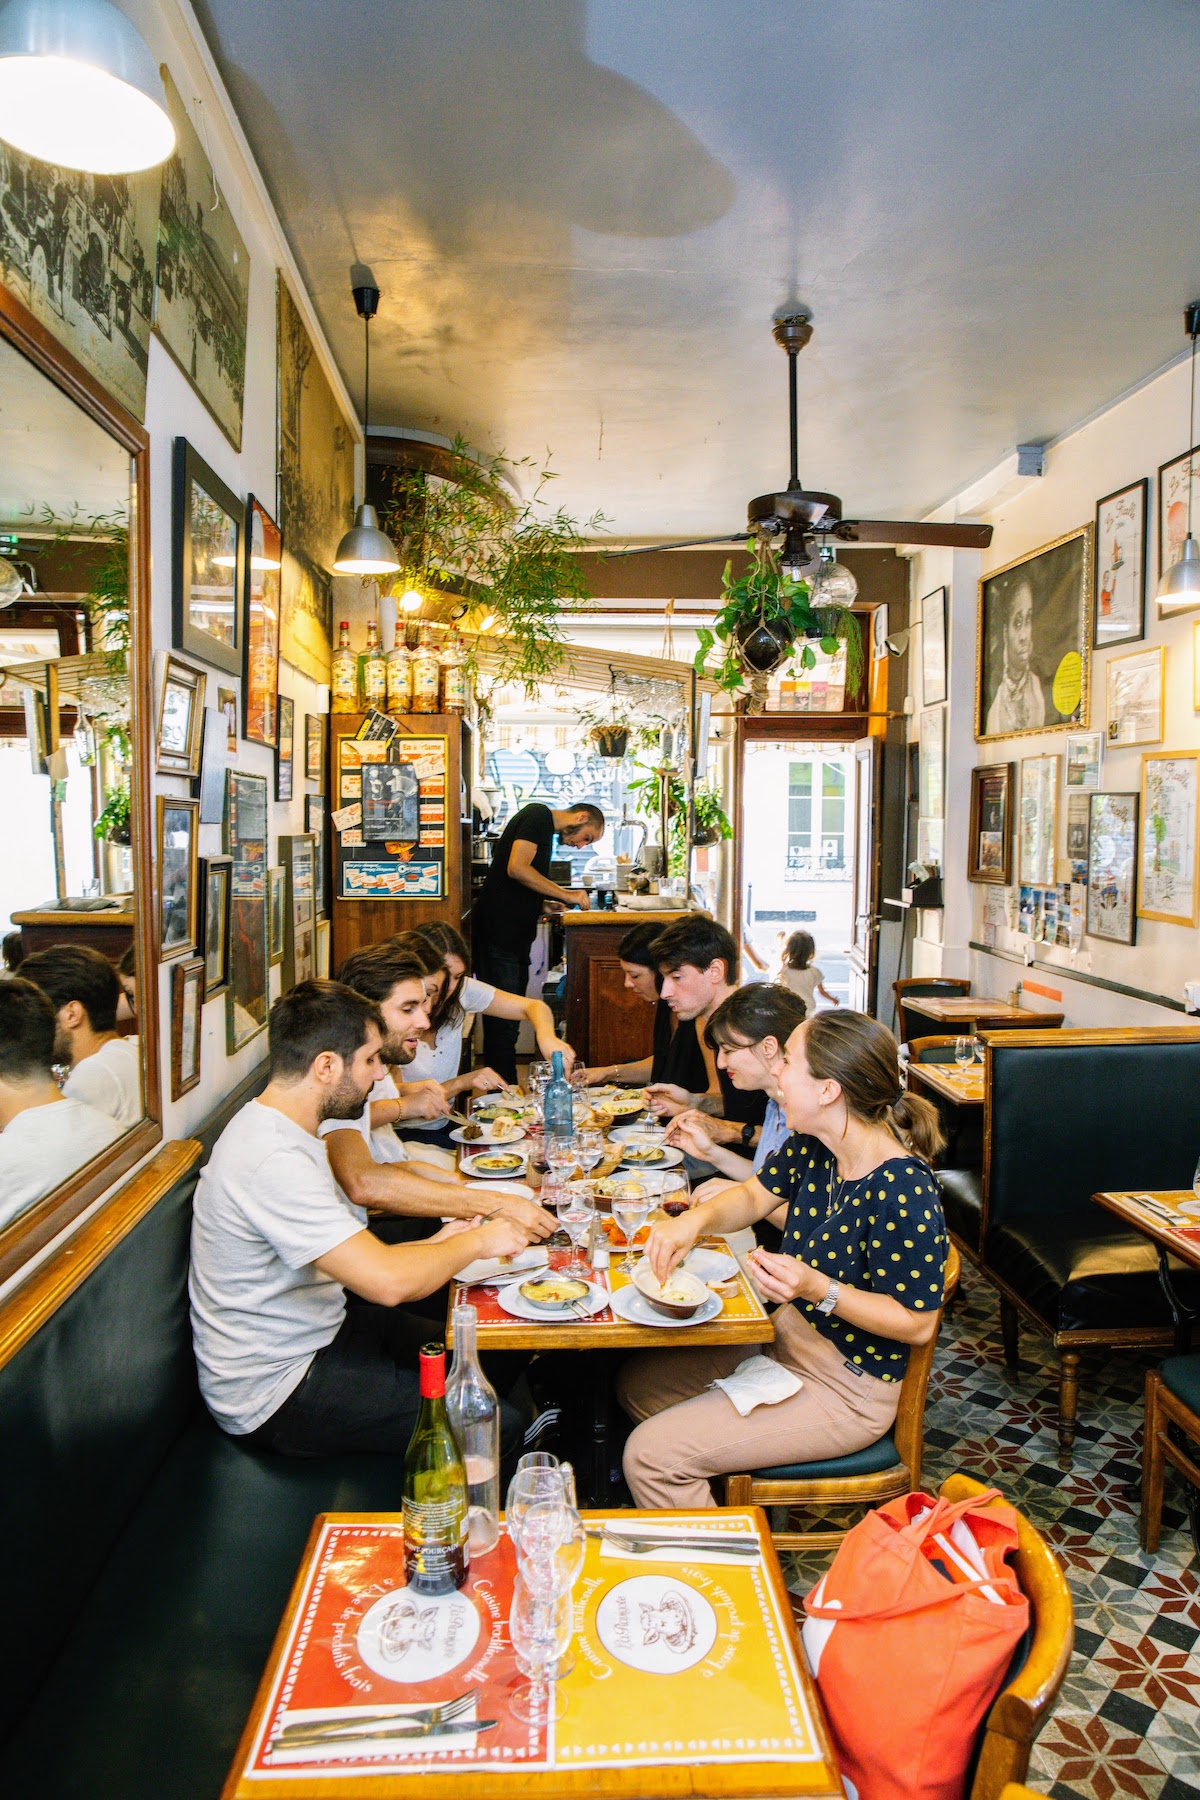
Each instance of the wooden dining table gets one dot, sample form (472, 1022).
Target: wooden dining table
(967, 1013)
(1171, 1220)
(688, 1679)
(963, 1087)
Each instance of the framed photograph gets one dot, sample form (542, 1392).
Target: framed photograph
(1168, 873)
(227, 702)
(1119, 608)
(1135, 687)
(1031, 653)
(933, 647)
(1084, 751)
(246, 843)
(207, 571)
(187, 1002)
(260, 677)
(1078, 826)
(298, 856)
(214, 760)
(314, 824)
(314, 748)
(180, 732)
(278, 907)
(216, 888)
(1174, 480)
(390, 802)
(178, 831)
(285, 748)
(1112, 867)
(323, 936)
(1038, 820)
(989, 847)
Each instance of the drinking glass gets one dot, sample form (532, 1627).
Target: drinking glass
(540, 1628)
(589, 1147)
(560, 1155)
(576, 1208)
(535, 1477)
(964, 1052)
(538, 1078)
(676, 1192)
(980, 1049)
(1196, 1182)
(631, 1214)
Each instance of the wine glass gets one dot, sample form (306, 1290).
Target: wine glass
(540, 1627)
(631, 1212)
(536, 1478)
(538, 1078)
(589, 1147)
(964, 1052)
(980, 1049)
(576, 1208)
(560, 1155)
(676, 1193)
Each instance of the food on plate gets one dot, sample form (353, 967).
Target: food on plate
(553, 1290)
(620, 1187)
(644, 1154)
(472, 1133)
(630, 1100)
(679, 1296)
(502, 1163)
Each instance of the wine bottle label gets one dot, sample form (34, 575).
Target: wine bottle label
(436, 1545)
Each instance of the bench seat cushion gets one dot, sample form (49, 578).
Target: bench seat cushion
(157, 1675)
(1107, 1280)
(874, 1460)
(962, 1203)
(1181, 1376)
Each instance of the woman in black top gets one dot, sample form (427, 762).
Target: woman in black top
(677, 1055)
(858, 1280)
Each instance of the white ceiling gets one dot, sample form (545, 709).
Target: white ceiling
(584, 213)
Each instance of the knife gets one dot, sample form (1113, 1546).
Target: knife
(729, 1546)
(374, 1734)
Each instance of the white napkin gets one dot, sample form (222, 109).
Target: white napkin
(759, 1381)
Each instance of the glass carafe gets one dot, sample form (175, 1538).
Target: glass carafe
(474, 1415)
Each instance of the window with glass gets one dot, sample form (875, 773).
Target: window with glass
(816, 823)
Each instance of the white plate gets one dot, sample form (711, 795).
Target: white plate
(469, 1164)
(635, 1309)
(1191, 1207)
(516, 1305)
(484, 1267)
(487, 1141)
(668, 1160)
(711, 1265)
(653, 1134)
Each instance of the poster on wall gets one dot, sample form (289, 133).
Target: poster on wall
(316, 491)
(1038, 816)
(78, 251)
(933, 647)
(1120, 603)
(1175, 478)
(1112, 863)
(202, 280)
(932, 767)
(391, 880)
(1031, 663)
(1084, 750)
(1167, 870)
(1135, 688)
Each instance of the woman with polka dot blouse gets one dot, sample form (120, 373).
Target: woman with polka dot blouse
(858, 1279)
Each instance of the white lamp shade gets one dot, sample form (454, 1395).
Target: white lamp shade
(79, 88)
(1179, 588)
(365, 550)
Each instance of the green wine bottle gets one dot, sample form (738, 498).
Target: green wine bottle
(437, 1555)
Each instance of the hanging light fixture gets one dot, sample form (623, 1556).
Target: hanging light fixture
(78, 87)
(365, 550)
(833, 583)
(411, 600)
(1179, 586)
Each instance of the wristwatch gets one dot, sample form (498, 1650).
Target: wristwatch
(831, 1298)
(748, 1132)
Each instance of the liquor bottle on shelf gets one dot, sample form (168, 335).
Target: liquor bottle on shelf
(454, 675)
(474, 1415)
(399, 675)
(437, 1552)
(558, 1107)
(426, 671)
(343, 679)
(373, 674)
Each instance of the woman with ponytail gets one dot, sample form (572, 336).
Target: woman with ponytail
(858, 1279)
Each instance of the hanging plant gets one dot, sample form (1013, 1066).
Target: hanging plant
(767, 620)
(107, 599)
(113, 824)
(711, 822)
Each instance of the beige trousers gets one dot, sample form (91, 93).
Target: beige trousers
(690, 1431)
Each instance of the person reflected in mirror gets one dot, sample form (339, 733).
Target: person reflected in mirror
(1019, 703)
(104, 1068)
(38, 1148)
(12, 951)
(698, 962)
(127, 976)
(676, 1058)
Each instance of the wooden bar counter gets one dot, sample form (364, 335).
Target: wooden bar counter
(605, 1022)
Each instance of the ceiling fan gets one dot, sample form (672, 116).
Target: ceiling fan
(803, 517)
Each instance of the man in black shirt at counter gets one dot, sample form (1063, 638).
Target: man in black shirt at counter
(514, 896)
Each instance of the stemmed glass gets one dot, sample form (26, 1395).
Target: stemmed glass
(631, 1212)
(540, 1626)
(538, 1078)
(560, 1155)
(576, 1208)
(980, 1049)
(589, 1148)
(537, 1478)
(676, 1193)
(964, 1052)
(551, 1544)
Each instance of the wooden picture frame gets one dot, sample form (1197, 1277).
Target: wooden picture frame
(177, 837)
(187, 1003)
(212, 938)
(314, 748)
(207, 568)
(285, 749)
(1111, 911)
(297, 853)
(247, 998)
(276, 913)
(933, 647)
(324, 935)
(1035, 612)
(261, 625)
(316, 809)
(1135, 697)
(1119, 579)
(1168, 885)
(1037, 821)
(179, 728)
(1196, 666)
(989, 845)
(1174, 479)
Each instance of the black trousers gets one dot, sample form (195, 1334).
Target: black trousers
(507, 967)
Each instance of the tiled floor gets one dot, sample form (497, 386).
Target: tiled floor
(1128, 1719)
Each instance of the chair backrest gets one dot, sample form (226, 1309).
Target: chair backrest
(1023, 1704)
(1125, 1105)
(923, 984)
(909, 1429)
(931, 1049)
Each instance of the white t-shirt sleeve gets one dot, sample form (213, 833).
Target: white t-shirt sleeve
(475, 996)
(96, 1086)
(297, 1211)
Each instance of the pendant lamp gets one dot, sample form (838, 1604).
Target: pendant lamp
(79, 88)
(1179, 586)
(365, 549)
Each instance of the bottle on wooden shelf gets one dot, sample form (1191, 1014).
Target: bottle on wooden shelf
(399, 676)
(454, 675)
(373, 673)
(426, 671)
(343, 678)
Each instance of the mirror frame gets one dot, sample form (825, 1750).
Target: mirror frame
(32, 1230)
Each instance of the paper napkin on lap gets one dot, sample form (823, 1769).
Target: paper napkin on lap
(759, 1381)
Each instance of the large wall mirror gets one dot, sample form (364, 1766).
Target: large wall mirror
(75, 868)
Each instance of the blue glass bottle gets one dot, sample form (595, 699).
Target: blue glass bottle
(557, 1103)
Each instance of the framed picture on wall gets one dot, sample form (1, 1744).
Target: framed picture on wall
(932, 770)
(933, 647)
(314, 823)
(278, 908)
(1119, 604)
(1033, 635)
(1196, 666)
(207, 567)
(314, 747)
(180, 731)
(187, 1001)
(1037, 821)
(1084, 752)
(1168, 872)
(1134, 688)
(323, 936)
(178, 832)
(285, 749)
(297, 854)
(1175, 478)
(989, 846)
(216, 887)
(246, 844)
(1112, 867)
(260, 680)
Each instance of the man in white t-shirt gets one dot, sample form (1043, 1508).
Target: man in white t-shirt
(301, 1336)
(44, 1137)
(85, 991)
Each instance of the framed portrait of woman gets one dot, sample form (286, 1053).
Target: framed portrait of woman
(1033, 642)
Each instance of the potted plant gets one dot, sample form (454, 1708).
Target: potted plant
(710, 820)
(112, 825)
(768, 619)
(609, 728)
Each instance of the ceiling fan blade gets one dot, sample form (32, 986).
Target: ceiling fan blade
(729, 537)
(908, 531)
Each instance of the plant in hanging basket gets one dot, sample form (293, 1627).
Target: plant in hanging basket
(609, 728)
(765, 617)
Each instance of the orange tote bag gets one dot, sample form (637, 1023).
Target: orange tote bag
(910, 1635)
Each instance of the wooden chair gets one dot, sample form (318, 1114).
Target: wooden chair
(942, 985)
(883, 1470)
(931, 1049)
(1172, 1398)
(1023, 1705)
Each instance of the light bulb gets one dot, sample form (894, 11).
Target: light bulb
(410, 600)
(487, 621)
(834, 585)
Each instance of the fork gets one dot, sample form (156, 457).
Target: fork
(322, 1730)
(635, 1546)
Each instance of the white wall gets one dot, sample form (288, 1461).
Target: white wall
(1130, 440)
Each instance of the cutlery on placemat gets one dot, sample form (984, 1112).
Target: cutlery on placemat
(642, 1546)
(1155, 1207)
(358, 1721)
(380, 1733)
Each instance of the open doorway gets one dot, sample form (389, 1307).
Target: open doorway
(798, 837)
